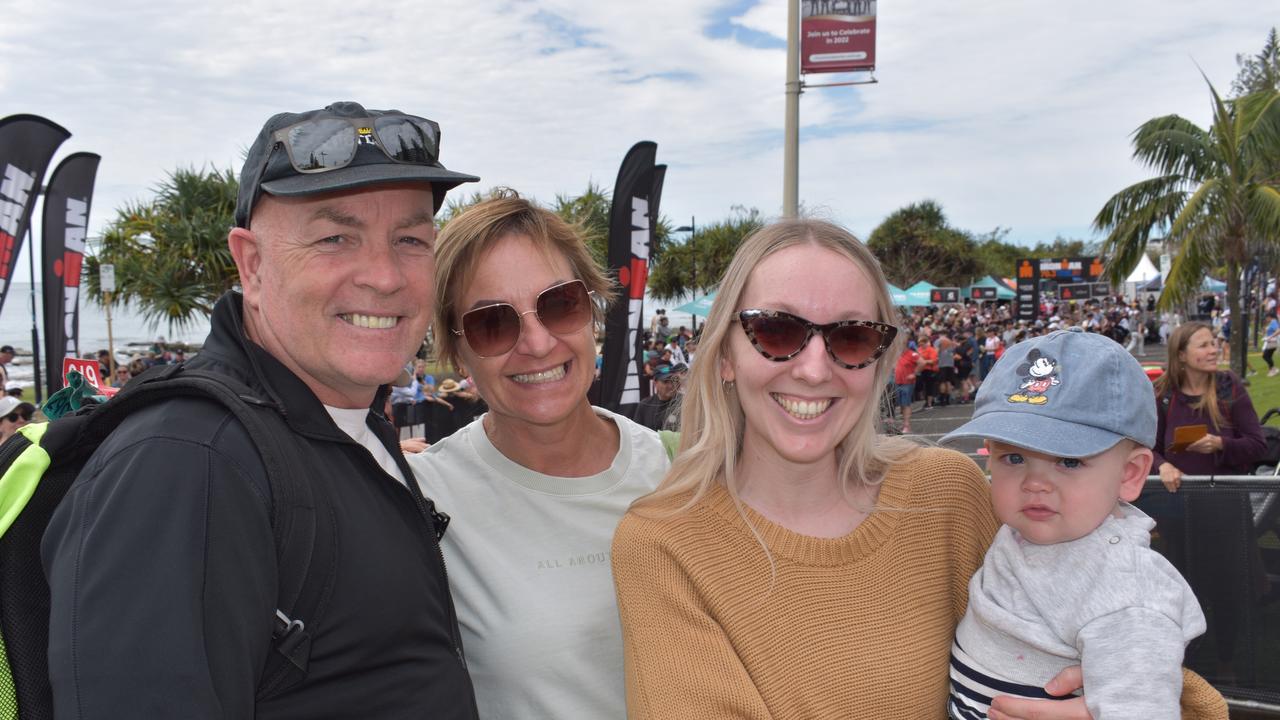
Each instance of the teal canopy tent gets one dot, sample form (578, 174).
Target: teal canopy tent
(700, 306)
(1003, 291)
(1211, 285)
(897, 295)
(918, 294)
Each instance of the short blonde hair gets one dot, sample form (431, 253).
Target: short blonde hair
(468, 235)
(712, 421)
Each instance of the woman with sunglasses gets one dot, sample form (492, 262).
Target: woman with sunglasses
(536, 485)
(13, 414)
(795, 563)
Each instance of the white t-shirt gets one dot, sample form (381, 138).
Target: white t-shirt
(529, 567)
(353, 423)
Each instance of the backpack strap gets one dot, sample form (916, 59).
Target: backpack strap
(302, 520)
(1226, 387)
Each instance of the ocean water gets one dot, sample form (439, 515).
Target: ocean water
(127, 328)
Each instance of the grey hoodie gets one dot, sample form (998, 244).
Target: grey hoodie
(1106, 602)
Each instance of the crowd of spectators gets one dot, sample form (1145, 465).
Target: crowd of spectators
(417, 401)
(951, 348)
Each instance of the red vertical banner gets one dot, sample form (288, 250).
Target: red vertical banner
(27, 144)
(837, 35)
(65, 226)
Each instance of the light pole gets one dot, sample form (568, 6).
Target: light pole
(692, 229)
(791, 121)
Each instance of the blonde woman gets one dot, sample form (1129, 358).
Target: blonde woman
(536, 485)
(794, 563)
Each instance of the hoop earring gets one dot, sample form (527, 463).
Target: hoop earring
(728, 385)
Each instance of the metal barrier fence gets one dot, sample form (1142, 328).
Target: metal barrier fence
(1223, 534)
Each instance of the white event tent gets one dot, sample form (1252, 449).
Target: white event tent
(1141, 275)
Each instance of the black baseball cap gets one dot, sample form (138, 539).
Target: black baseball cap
(662, 372)
(268, 167)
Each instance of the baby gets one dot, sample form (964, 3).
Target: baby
(1070, 579)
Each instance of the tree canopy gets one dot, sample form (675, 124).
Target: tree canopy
(1261, 71)
(696, 265)
(917, 243)
(170, 253)
(1214, 190)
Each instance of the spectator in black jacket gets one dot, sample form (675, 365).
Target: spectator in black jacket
(161, 560)
(654, 411)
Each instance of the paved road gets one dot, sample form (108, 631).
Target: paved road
(931, 425)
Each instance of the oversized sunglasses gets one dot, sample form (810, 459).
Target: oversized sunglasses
(493, 330)
(324, 144)
(852, 344)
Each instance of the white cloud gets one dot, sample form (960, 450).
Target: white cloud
(1008, 112)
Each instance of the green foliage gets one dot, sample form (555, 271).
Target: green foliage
(1261, 71)
(916, 243)
(590, 213)
(994, 255)
(1214, 191)
(1063, 247)
(457, 203)
(170, 253)
(696, 265)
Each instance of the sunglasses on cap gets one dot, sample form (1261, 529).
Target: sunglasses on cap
(852, 344)
(330, 143)
(493, 330)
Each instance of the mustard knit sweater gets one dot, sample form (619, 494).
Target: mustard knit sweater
(855, 627)
(852, 627)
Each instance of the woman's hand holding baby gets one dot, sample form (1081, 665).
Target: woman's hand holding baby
(1065, 683)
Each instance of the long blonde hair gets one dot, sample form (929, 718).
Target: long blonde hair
(712, 421)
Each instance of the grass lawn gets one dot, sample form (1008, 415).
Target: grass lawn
(1263, 391)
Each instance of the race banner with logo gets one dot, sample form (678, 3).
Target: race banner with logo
(837, 35)
(1028, 288)
(633, 220)
(27, 144)
(66, 222)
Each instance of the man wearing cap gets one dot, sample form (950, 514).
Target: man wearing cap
(653, 412)
(162, 561)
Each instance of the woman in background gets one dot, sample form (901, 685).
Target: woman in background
(1209, 537)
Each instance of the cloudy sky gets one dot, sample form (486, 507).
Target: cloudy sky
(1011, 113)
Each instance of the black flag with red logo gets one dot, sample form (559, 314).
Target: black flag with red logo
(66, 223)
(27, 144)
(633, 221)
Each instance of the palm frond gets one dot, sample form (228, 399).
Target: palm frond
(1154, 200)
(1262, 208)
(1173, 145)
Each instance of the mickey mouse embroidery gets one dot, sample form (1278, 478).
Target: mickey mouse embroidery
(1041, 373)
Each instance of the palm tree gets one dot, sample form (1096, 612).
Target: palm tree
(1216, 192)
(590, 213)
(696, 265)
(170, 254)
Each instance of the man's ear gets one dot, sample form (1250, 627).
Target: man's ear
(1136, 469)
(246, 250)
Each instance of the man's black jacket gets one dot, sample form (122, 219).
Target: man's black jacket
(162, 567)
